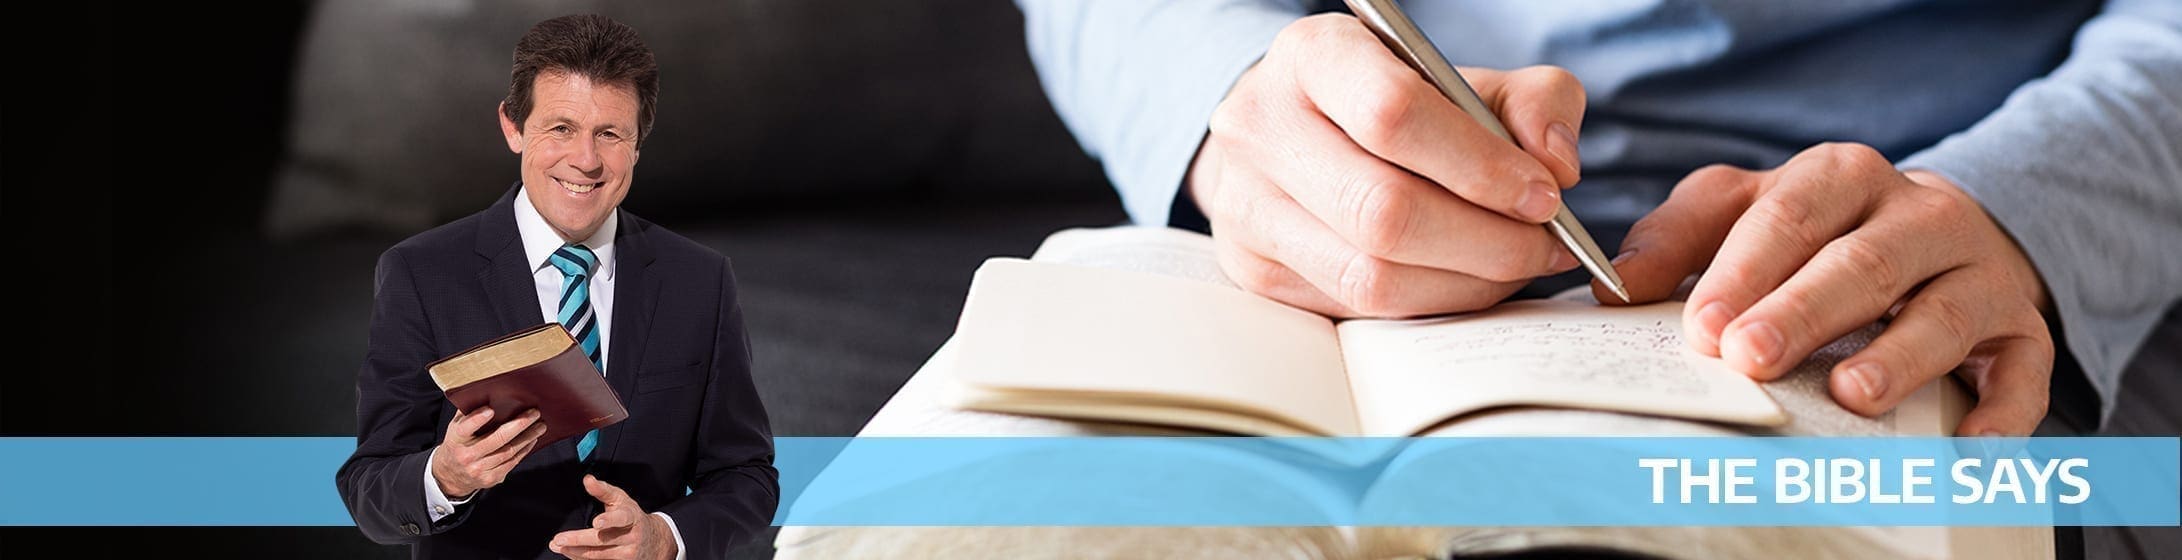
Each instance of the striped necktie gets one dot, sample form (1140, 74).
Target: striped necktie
(576, 263)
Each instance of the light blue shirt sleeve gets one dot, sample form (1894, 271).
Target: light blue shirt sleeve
(2084, 168)
(1136, 80)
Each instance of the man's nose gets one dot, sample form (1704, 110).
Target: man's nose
(586, 156)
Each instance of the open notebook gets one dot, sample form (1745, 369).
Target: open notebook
(927, 405)
(1085, 342)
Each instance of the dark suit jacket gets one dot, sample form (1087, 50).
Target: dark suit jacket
(678, 357)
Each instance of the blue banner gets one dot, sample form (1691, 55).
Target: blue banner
(1745, 481)
(178, 481)
(1224, 481)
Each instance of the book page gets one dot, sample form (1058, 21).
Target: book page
(1410, 375)
(1062, 340)
(1157, 250)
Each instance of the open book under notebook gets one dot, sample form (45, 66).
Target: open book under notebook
(923, 407)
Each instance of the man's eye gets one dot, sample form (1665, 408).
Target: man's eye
(560, 129)
(610, 135)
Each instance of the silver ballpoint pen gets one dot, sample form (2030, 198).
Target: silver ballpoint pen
(1409, 44)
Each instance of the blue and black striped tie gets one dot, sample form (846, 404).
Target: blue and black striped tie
(576, 263)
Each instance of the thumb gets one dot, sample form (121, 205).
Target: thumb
(1542, 106)
(1680, 237)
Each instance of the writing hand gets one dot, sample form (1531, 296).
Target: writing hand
(1338, 180)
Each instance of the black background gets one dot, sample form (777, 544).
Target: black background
(134, 134)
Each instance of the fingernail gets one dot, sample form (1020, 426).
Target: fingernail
(1990, 433)
(1870, 379)
(1561, 142)
(1764, 342)
(1539, 203)
(1712, 318)
(1624, 256)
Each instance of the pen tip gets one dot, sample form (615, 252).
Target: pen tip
(1620, 292)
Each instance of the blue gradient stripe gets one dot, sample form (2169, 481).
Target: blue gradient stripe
(1141, 481)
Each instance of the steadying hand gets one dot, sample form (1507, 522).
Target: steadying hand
(1832, 240)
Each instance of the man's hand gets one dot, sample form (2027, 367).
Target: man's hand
(1338, 180)
(1831, 241)
(466, 462)
(623, 532)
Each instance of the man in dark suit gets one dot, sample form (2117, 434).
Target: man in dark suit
(689, 474)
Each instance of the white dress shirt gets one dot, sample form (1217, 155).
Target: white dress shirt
(539, 243)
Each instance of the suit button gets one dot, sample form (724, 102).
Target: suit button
(411, 529)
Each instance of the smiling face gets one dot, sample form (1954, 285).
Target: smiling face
(578, 147)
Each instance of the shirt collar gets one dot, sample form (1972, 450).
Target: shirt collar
(540, 241)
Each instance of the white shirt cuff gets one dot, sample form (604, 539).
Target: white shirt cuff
(680, 552)
(435, 500)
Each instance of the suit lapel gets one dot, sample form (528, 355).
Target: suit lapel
(510, 287)
(506, 274)
(636, 296)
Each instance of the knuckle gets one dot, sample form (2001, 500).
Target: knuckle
(1715, 172)
(1858, 258)
(1731, 284)
(1364, 285)
(1936, 206)
(1952, 316)
(1712, 178)
(1254, 274)
(1783, 220)
(1241, 114)
(1645, 228)
(1388, 100)
(2032, 325)
(1552, 78)
(1381, 215)
(1726, 282)
(1313, 30)
(1852, 157)
(1795, 316)
(1230, 118)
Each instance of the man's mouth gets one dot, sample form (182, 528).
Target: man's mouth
(578, 188)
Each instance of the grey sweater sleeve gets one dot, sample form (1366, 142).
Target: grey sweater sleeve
(2084, 168)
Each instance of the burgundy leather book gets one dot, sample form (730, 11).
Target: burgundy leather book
(539, 367)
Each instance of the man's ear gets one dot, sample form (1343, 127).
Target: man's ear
(509, 130)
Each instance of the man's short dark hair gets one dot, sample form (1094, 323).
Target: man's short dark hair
(593, 46)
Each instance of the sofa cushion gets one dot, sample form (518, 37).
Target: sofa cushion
(393, 125)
